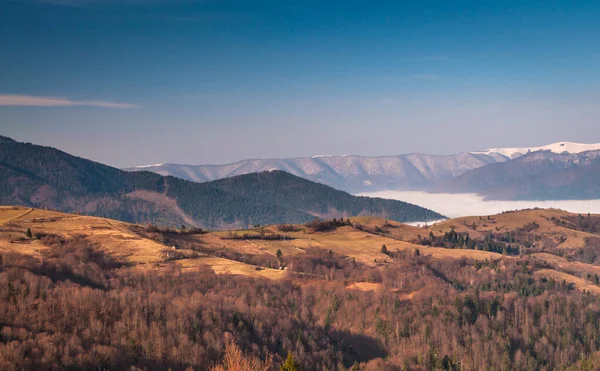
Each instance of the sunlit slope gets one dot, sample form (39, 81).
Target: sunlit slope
(116, 239)
(265, 251)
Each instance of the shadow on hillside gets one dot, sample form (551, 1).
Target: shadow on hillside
(357, 347)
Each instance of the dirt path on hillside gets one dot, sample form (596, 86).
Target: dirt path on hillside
(260, 248)
(294, 246)
(119, 229)
(20, 216)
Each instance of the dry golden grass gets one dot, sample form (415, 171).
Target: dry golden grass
(578, 283)
(116, 239)
(225, 266)
(440, 253)
(364, 286)
(423, 292)
(9, 213)
(562, 264)
(113, 237)
(399, 231)
(366, 247)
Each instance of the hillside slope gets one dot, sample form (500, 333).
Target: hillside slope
(45, 177)
(279, 187)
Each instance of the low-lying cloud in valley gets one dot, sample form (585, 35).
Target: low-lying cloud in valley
(457, 205)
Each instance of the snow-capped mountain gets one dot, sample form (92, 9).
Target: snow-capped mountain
(559, 147)
(357, 174)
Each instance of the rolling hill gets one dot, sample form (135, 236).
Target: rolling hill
(44, 177)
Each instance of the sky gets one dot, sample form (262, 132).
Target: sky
(135, 82)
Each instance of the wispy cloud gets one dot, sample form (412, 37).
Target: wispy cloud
(36, 101)
(71, 3)
(426, 76)
(82, 3)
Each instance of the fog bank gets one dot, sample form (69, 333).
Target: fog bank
(465, 204)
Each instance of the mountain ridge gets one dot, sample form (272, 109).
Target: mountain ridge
(38, 176)
(541, 175)
(357, 174)
(558, 147)
(351, 173)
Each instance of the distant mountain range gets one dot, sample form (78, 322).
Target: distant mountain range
(542, 175)
(44, 177)
(353, 174)
(422, 172)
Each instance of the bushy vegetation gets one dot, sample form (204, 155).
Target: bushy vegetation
(319, 225)
(586, 223)
(253, 236)
(505, 244)
(288, 228)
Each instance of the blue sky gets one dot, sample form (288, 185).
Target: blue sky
(130, 82)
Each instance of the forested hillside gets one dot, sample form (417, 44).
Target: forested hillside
(79, 292)
(281, 188)
(45, 177)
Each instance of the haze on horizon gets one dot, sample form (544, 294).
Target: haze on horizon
(128, 82)
(467, 204)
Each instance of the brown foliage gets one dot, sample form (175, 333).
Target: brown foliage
(80, 309)
(237, 360)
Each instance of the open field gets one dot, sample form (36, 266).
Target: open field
(9, 213)
(226, 266)
(399, 231)
(113, 237)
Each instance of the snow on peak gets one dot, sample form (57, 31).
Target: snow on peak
(146, 166)
(328, 156)
(558, 147)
